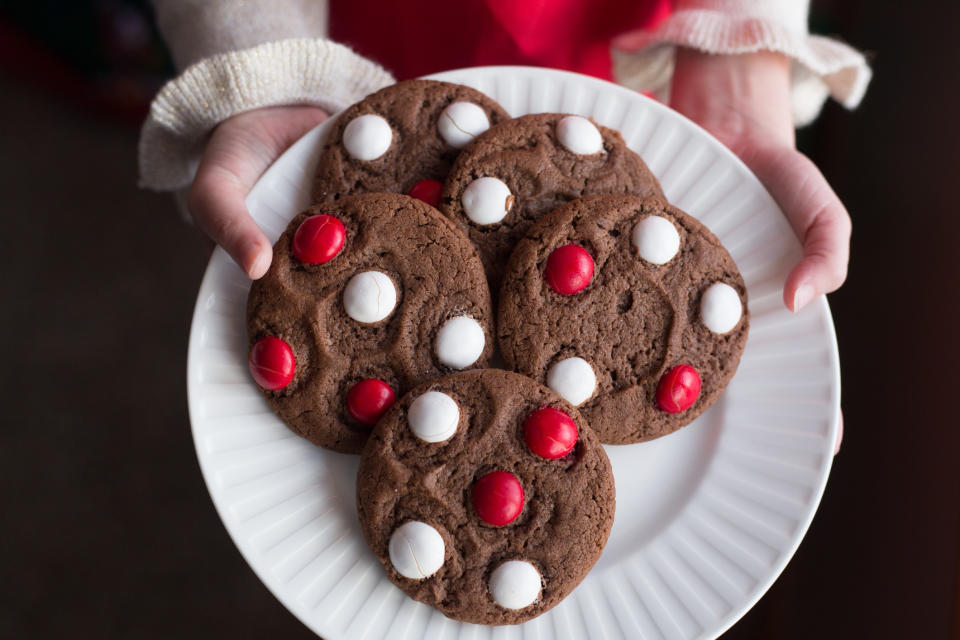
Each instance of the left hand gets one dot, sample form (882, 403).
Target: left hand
(744, 101)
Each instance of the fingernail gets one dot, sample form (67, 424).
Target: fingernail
(259, 265)
(803, 295)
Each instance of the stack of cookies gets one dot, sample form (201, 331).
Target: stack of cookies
(446, 238)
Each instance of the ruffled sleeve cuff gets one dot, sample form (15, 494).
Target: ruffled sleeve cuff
(297, 71)
(821, 67)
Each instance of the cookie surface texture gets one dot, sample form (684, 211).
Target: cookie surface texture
(519, 530)
(653, 339)
(364, 325)
(399, 136)
(522, 169)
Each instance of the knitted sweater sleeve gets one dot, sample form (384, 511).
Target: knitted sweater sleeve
(237, 56)
(821, 67)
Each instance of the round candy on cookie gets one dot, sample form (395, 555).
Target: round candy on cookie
(650, 339)
(402, 139)
(522, 169)
(366, 297)
(485, 495)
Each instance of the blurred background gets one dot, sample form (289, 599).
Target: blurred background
(108, 530)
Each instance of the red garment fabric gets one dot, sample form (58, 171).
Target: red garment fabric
(417, 37)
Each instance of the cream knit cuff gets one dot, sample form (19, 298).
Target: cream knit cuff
(821, 67)
(297, 71)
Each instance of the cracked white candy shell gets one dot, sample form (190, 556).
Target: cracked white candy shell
(416, 550)
(370, 296)
(461, 122)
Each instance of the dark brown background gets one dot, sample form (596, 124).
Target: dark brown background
(107, 529)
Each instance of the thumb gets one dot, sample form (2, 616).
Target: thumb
(817, 216)
(239, 151)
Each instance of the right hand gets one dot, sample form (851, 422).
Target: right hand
(240, 149)
(744, 101)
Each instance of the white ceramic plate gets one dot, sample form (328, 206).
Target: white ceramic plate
(707, 517)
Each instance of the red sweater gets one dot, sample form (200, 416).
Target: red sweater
(417, 37)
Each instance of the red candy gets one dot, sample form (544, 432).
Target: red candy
(569, 269)
(427, 190)
(272, 363)
(550, 433)
(498, 498)
(678, 389)
(368, 400)
(318, 239)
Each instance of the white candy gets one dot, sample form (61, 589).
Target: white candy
(656, 239)
(367, 137)
(515, 584)
(370, 296)
(579, 135)
(487, 200)
(433, 417)
(573, 379)
(720, 307)
(461, 122)
(460, 342)
(416, 550)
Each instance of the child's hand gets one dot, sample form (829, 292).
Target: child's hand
(743, 100)
(239, 151)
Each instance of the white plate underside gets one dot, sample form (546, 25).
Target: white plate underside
(707, 517)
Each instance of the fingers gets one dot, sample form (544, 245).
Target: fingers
(826, 250)
(217, 201)
(817, 216)
(239, 151)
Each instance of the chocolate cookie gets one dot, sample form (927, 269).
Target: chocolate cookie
(522, 169)
(485, 495)
(366, 297)
(628, 308)
(400, 136)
